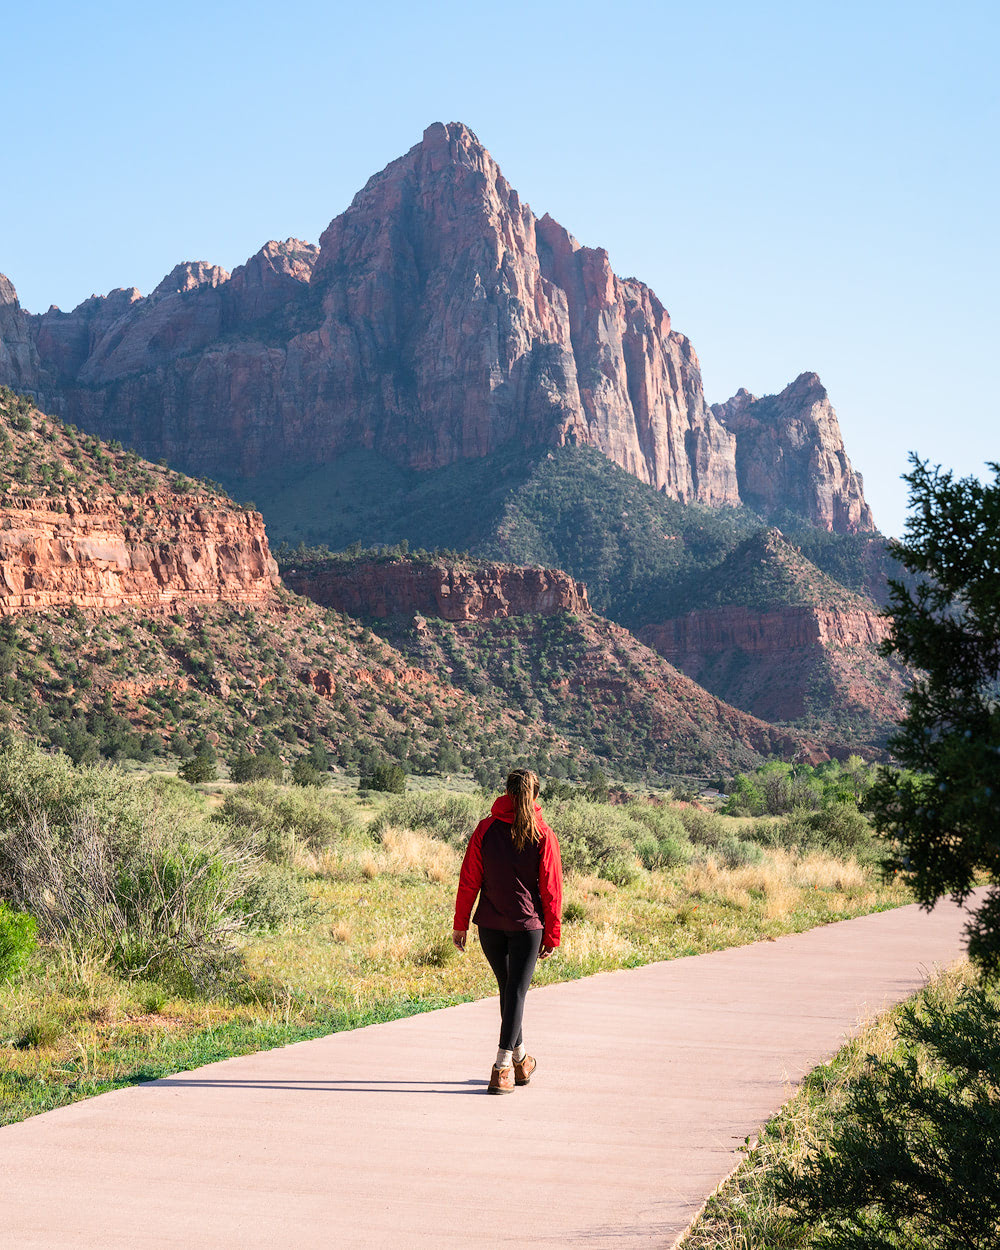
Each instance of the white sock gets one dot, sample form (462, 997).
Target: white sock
(519, 1052)
(504, 1058)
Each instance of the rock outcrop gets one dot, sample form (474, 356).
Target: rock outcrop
(685, 640)
(802, 663)
(439, 320)
(385, 588)
(790, 457)
(19, 366)
(150, 553)
(769, 632)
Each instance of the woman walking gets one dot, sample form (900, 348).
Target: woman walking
(513, 864)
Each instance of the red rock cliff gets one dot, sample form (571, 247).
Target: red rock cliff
(808, 661)
(438, 320)
(113, 553)
(721, 629)
(790, 454)
(383, 588)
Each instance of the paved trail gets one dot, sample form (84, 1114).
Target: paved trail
(648, 1081)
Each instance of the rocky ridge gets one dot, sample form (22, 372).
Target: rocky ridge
(790, 457)
(780, 639)
(437, 321)
(454, 592)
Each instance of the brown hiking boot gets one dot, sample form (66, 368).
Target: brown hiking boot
(501, 1081)
(523, 1070)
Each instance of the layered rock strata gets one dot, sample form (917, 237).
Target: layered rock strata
(438, 320)
(404, 587)
(791, 663)
(151, 553)
(687, 638)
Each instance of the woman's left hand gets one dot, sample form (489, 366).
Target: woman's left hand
(458, 937)
(545, 952)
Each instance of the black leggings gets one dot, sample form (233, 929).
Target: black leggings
(512, 957)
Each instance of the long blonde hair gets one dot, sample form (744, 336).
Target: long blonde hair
(522, 786)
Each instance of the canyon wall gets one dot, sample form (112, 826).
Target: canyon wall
(811, 664)
(437, 321)
(712, 630)
(481, 593)
(150, 553)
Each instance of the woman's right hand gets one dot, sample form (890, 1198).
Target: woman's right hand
(545, 952)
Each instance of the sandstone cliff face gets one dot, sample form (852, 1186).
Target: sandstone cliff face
(800, 663)
(438, 321)
(18, 356)
(785, 629)
(116, 553)
(383, 589)
(790, 455)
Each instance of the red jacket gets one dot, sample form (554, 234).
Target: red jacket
(517, 890)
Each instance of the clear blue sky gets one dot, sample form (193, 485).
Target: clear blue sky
(806, 186)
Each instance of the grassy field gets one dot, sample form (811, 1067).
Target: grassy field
(369, 936)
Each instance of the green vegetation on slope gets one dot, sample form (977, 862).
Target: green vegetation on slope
(764, 573)
(232, 683)
(639, 552)
(588, 682)
(42, 457)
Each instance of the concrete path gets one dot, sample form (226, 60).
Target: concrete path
(648, 1081)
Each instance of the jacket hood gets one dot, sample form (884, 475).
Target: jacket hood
(503, 809)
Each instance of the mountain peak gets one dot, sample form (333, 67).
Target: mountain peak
(790, 456)
(439, 321)
(438, 133)
(188, 276)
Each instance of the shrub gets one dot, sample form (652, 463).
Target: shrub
(839, 829)
(200, 767)
(17, 940)
(305, 773)
(574, 912)
(384, 776)
(666, 843)
(266, 766)
(129, 868)
(278, 821)
(451, 817)
(596, 837)
(711, 832)
(913, 1159)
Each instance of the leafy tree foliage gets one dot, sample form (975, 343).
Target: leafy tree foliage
(383, 775)
(943, 810)
(266, 766)
(200, 767)
(305, 773)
